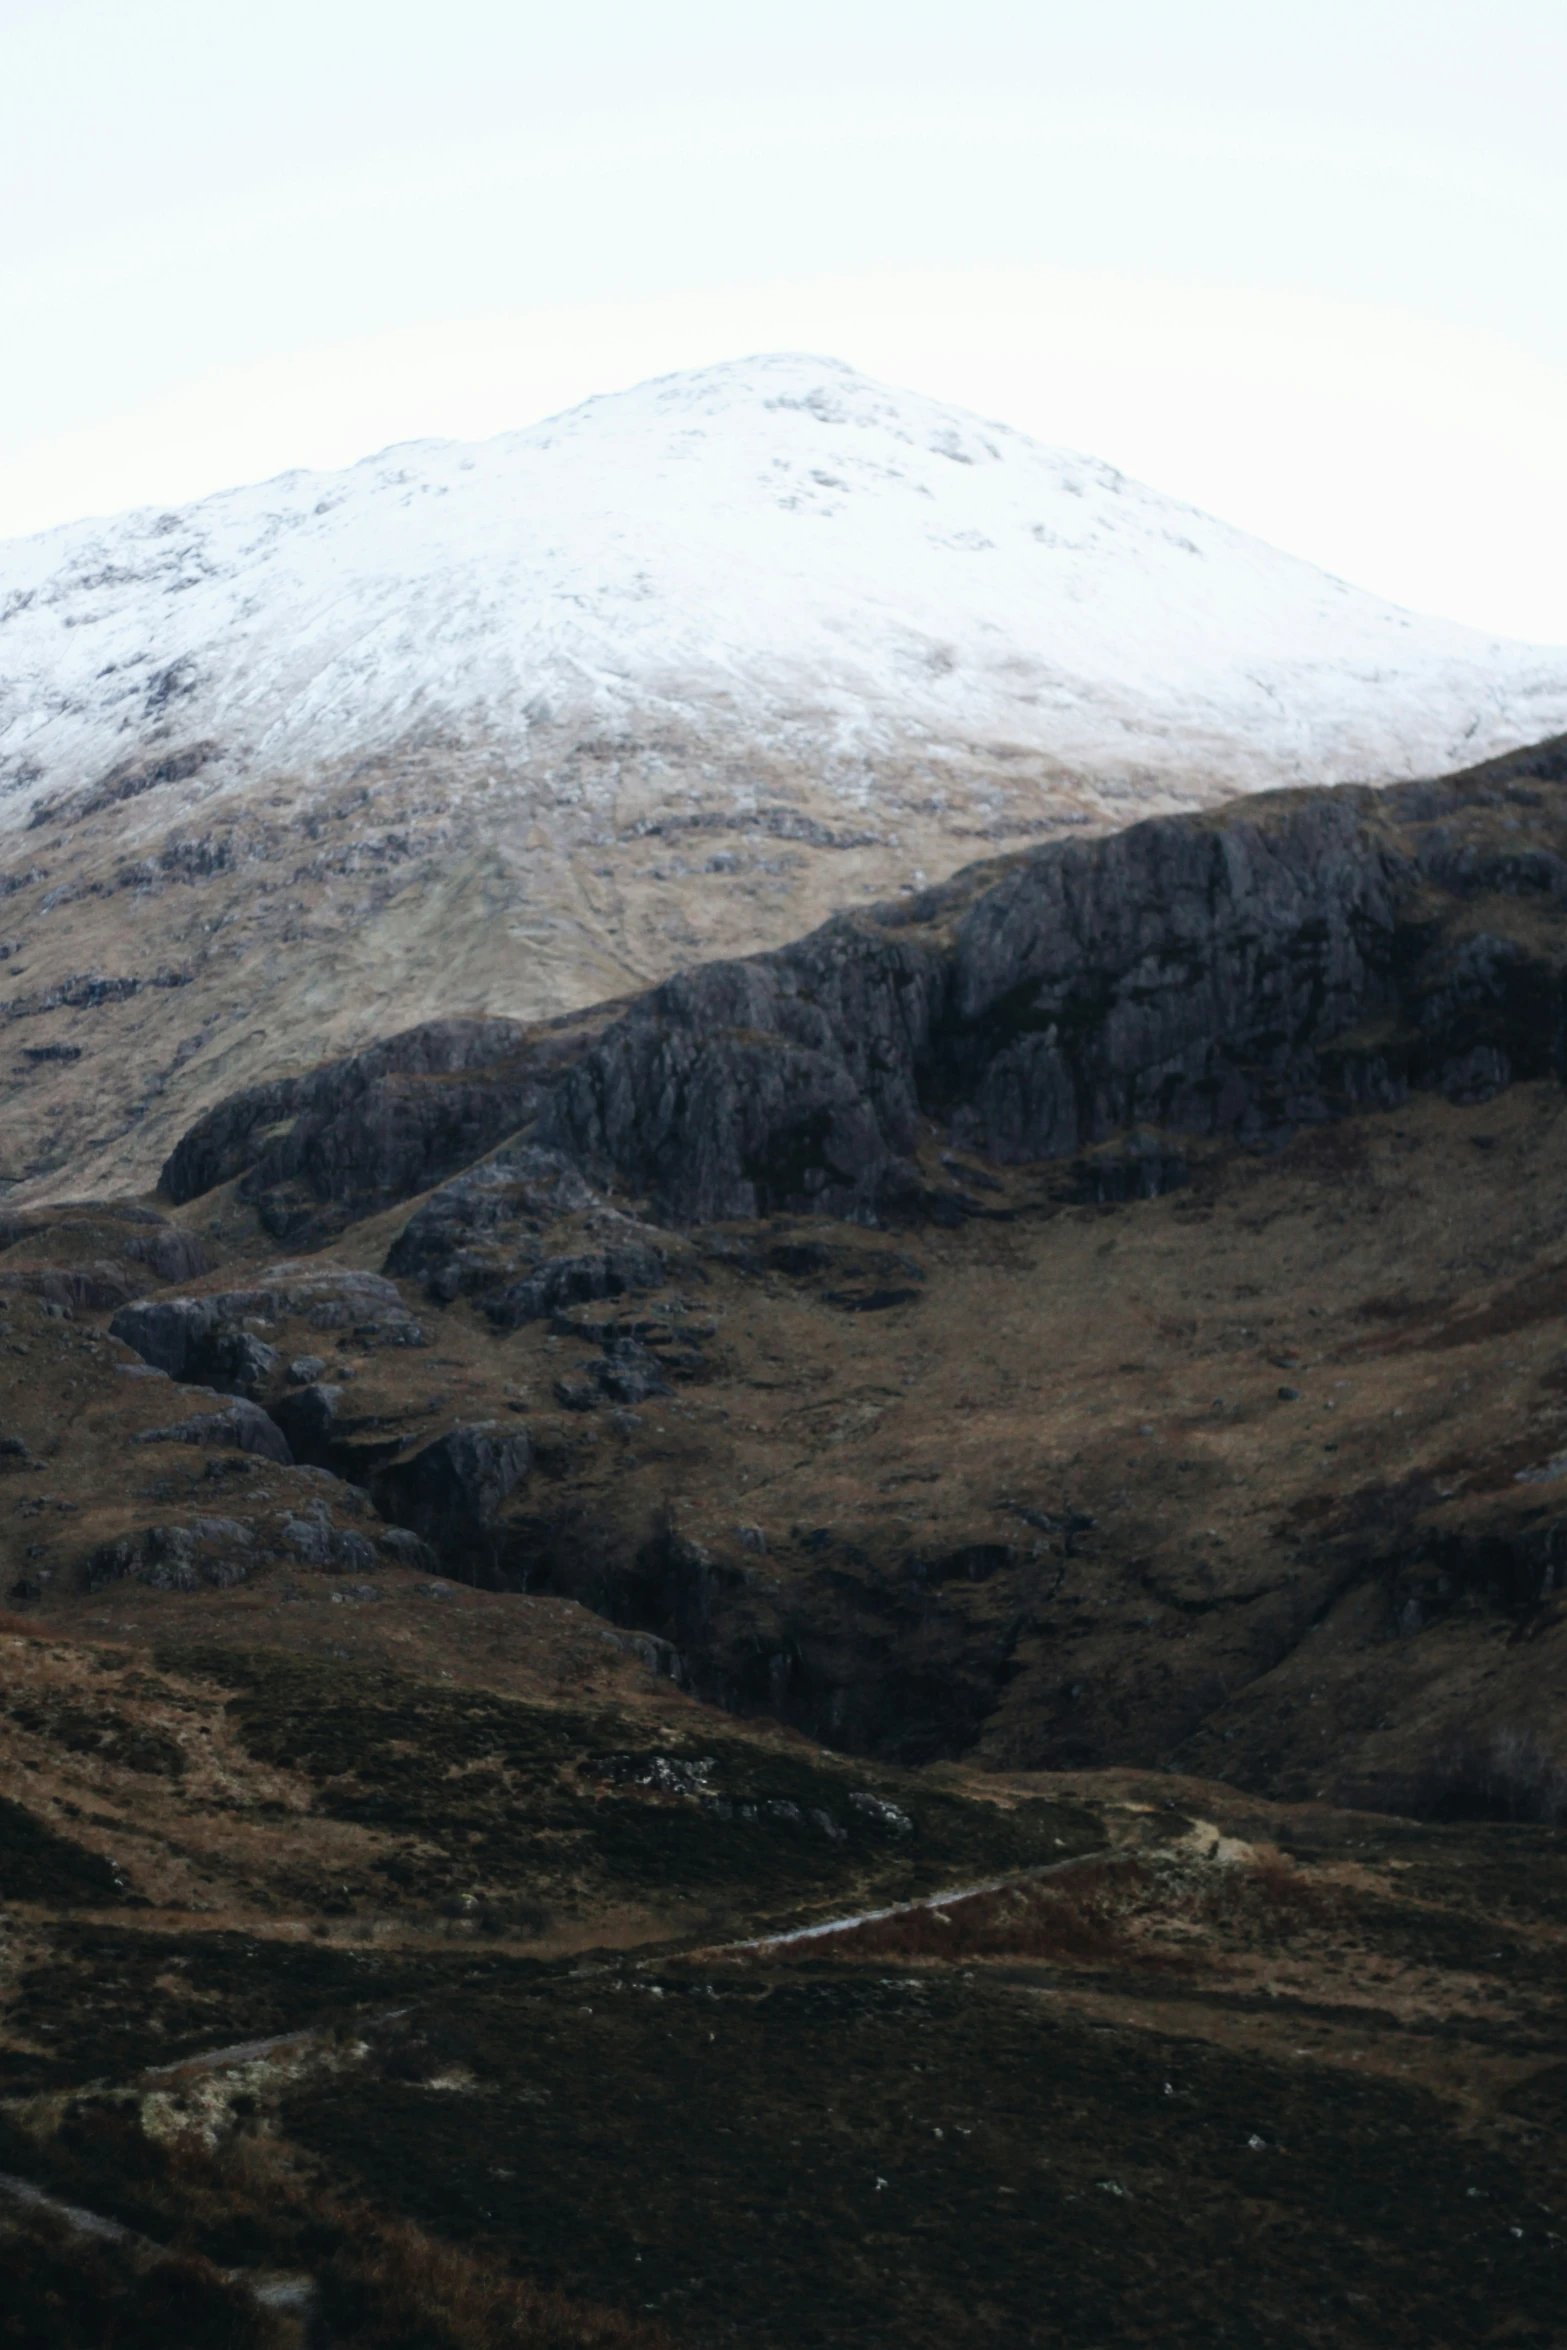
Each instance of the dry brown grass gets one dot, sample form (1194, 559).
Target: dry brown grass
(222, 2222)
(1079, 1920)
(383, 2283)
(71, 2291)
(1103, 1913)
(391, 2287)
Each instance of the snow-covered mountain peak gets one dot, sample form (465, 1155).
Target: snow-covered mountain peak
(519, 726)
(764, 553)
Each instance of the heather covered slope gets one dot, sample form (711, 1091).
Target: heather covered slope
(597, 1758)
(388, 2004)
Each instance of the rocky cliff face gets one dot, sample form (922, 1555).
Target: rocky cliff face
(1109, 1308)
(1240, 975)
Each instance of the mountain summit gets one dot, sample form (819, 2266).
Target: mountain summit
(776, 559)
(515, 727)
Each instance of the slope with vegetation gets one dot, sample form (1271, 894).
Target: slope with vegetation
(870, 1649)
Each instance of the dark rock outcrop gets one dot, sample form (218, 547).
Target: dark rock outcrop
(451, 1491)
(217, 1552)
(577, 1280)
(484, 1227)
(627, 1372)
(314, 1541)
(312, 1419)
(132, 1250)
(204, 1338)
(1239, 974)
(243, 1427)
(172, 1336)
(1187, 975)
(325, 1436)
(1236, 974)
(79, 1289)
(320, 1151)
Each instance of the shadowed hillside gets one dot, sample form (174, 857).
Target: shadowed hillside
(868, 1649)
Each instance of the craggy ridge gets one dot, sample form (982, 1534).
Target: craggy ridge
(1237, 975)
(894, 1126)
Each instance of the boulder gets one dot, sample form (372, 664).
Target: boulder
(315, 1541)
(577, 1280)
(204, 1338)
(311, 1418)
(216, 1552)
(626, 1373)
(322, 1434)
(79, 1289)
(171, 1334)
(483, 1227)
(243, 1427)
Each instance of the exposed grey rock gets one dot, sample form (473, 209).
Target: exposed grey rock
(310, 1417)
(1184, 974)
(238, 1362)
(1237, 974)
(629, 1375)
(320, 1151)
(452, 1489)
(316, 1542)
(484, 1227)
(170, 1334)
(203, 1338)
(564, 1281)
(167, 1252)
(1193, 975)
(243, 1427)
(880, 1813)
(331, 1440)
(78, 1289)
(654, 1653)
(141, 1247)
(666, 1774)
(577, 1395)
(175, 1558)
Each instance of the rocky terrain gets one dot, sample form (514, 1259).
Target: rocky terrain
(515, 729)
(910, 1591)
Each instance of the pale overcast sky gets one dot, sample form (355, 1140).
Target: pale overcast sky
(1299, 261)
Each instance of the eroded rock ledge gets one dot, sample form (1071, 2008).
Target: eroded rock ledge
(1239, 974)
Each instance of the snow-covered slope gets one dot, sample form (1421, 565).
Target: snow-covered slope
(771, 555)
(517, 728)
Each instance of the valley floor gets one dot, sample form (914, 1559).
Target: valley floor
(447, 1995)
